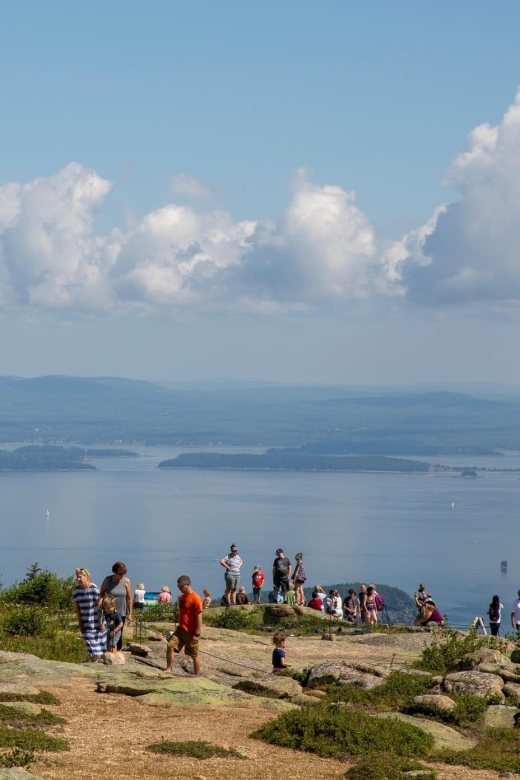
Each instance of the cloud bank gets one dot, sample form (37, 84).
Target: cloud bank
(322, 251)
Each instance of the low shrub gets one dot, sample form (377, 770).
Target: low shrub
(25, 621)
(396, 692)
(448, 646)
(42, 697)
(17, 716)
(233, 619)
(498, 750)
(16, 758)
(194, 749)
(159, 613)
(388, 767)
(468, 711)
(336, 732)
(30, 739)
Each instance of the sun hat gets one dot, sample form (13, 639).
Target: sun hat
(279, 550)
(257, 568)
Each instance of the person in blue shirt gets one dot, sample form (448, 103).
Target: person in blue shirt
(112, 622)
(279, 661)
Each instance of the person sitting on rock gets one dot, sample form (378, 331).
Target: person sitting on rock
(242, 597)
(207, 598)
(164, 597)
(316, 603)
(429, 614)
(290, 596)
(279, 662)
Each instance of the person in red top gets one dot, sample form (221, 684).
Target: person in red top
(258, 581)
(316, 603)
(189, 629)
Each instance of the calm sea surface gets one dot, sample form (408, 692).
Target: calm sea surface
(394, 528)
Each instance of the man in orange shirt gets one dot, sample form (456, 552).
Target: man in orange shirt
(188, 631)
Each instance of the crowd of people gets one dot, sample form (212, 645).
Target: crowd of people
(102, 612)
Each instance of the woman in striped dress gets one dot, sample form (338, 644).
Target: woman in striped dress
(86, 597)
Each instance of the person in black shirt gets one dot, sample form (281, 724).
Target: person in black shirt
(281, 572)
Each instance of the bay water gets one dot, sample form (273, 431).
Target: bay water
(398, 529)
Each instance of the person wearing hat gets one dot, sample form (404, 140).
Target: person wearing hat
(232, 563)
(299, 578)
(421, 596)
(258, 580)
(281, 573)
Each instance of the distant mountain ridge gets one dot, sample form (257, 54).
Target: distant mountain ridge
(323, 419)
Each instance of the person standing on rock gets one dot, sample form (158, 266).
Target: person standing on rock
(258, 580)
(515, 614)
(495, 615)
(189, 628)
(232, 563)
(299, 578)
(281, 572)
(86, 598)
(118, 585)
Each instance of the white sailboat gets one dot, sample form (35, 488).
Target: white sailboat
(47, 514)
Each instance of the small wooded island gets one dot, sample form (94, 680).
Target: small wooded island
(278, 460)
(49, 457)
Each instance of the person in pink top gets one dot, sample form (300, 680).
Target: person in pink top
(164, 597)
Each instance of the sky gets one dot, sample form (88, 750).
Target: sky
(300, 192)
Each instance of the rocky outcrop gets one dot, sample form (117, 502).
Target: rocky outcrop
(445, 737)
(477, 683)
(438, 703)
(498, 716)
(343, 672)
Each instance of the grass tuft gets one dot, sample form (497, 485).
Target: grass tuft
(498, 750)
(17, 716)
(16, 758)
(388, 767)
(194, 749)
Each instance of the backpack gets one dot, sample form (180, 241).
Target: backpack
(494, 613)
(380, 602)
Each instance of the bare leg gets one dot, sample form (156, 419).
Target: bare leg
(196, 666)
(232, 598)
(170, 657)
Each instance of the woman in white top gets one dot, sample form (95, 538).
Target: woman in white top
(139, 596)
(495, 615)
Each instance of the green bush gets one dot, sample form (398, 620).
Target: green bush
(447, 648)
(42, 697)
(336, 732)
(16, 758)
(388, 767)
(498, 750)
(158, 613)
(30, 739)
(468, 710)
(17, 716)
(43, 588)
(233, 618)
(397, 691)
(194, 749)
(25, 621)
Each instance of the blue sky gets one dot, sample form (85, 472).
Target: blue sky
(241, 266)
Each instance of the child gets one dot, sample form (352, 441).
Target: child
(279, 661)
(113, 623)
(291, 593)
(207, 598)
(258, 581)
(299, 578)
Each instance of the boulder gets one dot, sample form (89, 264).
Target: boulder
(18, 689)
(15, 773)
(491, 658)
(498, 716)
(513, 691)
(343, 673)
(285, 687)
(143, 651)
(314, 693)
(278, 611)
(113, 659)
(515, 656)
(477, 683)
(439, 703)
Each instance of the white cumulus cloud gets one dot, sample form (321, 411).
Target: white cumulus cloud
(469, 251)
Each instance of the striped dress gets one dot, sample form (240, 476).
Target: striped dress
(85, 598)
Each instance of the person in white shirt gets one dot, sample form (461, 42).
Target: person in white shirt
(139, 596)
(515, 614)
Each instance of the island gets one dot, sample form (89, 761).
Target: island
(49, 457)
(279, 460)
